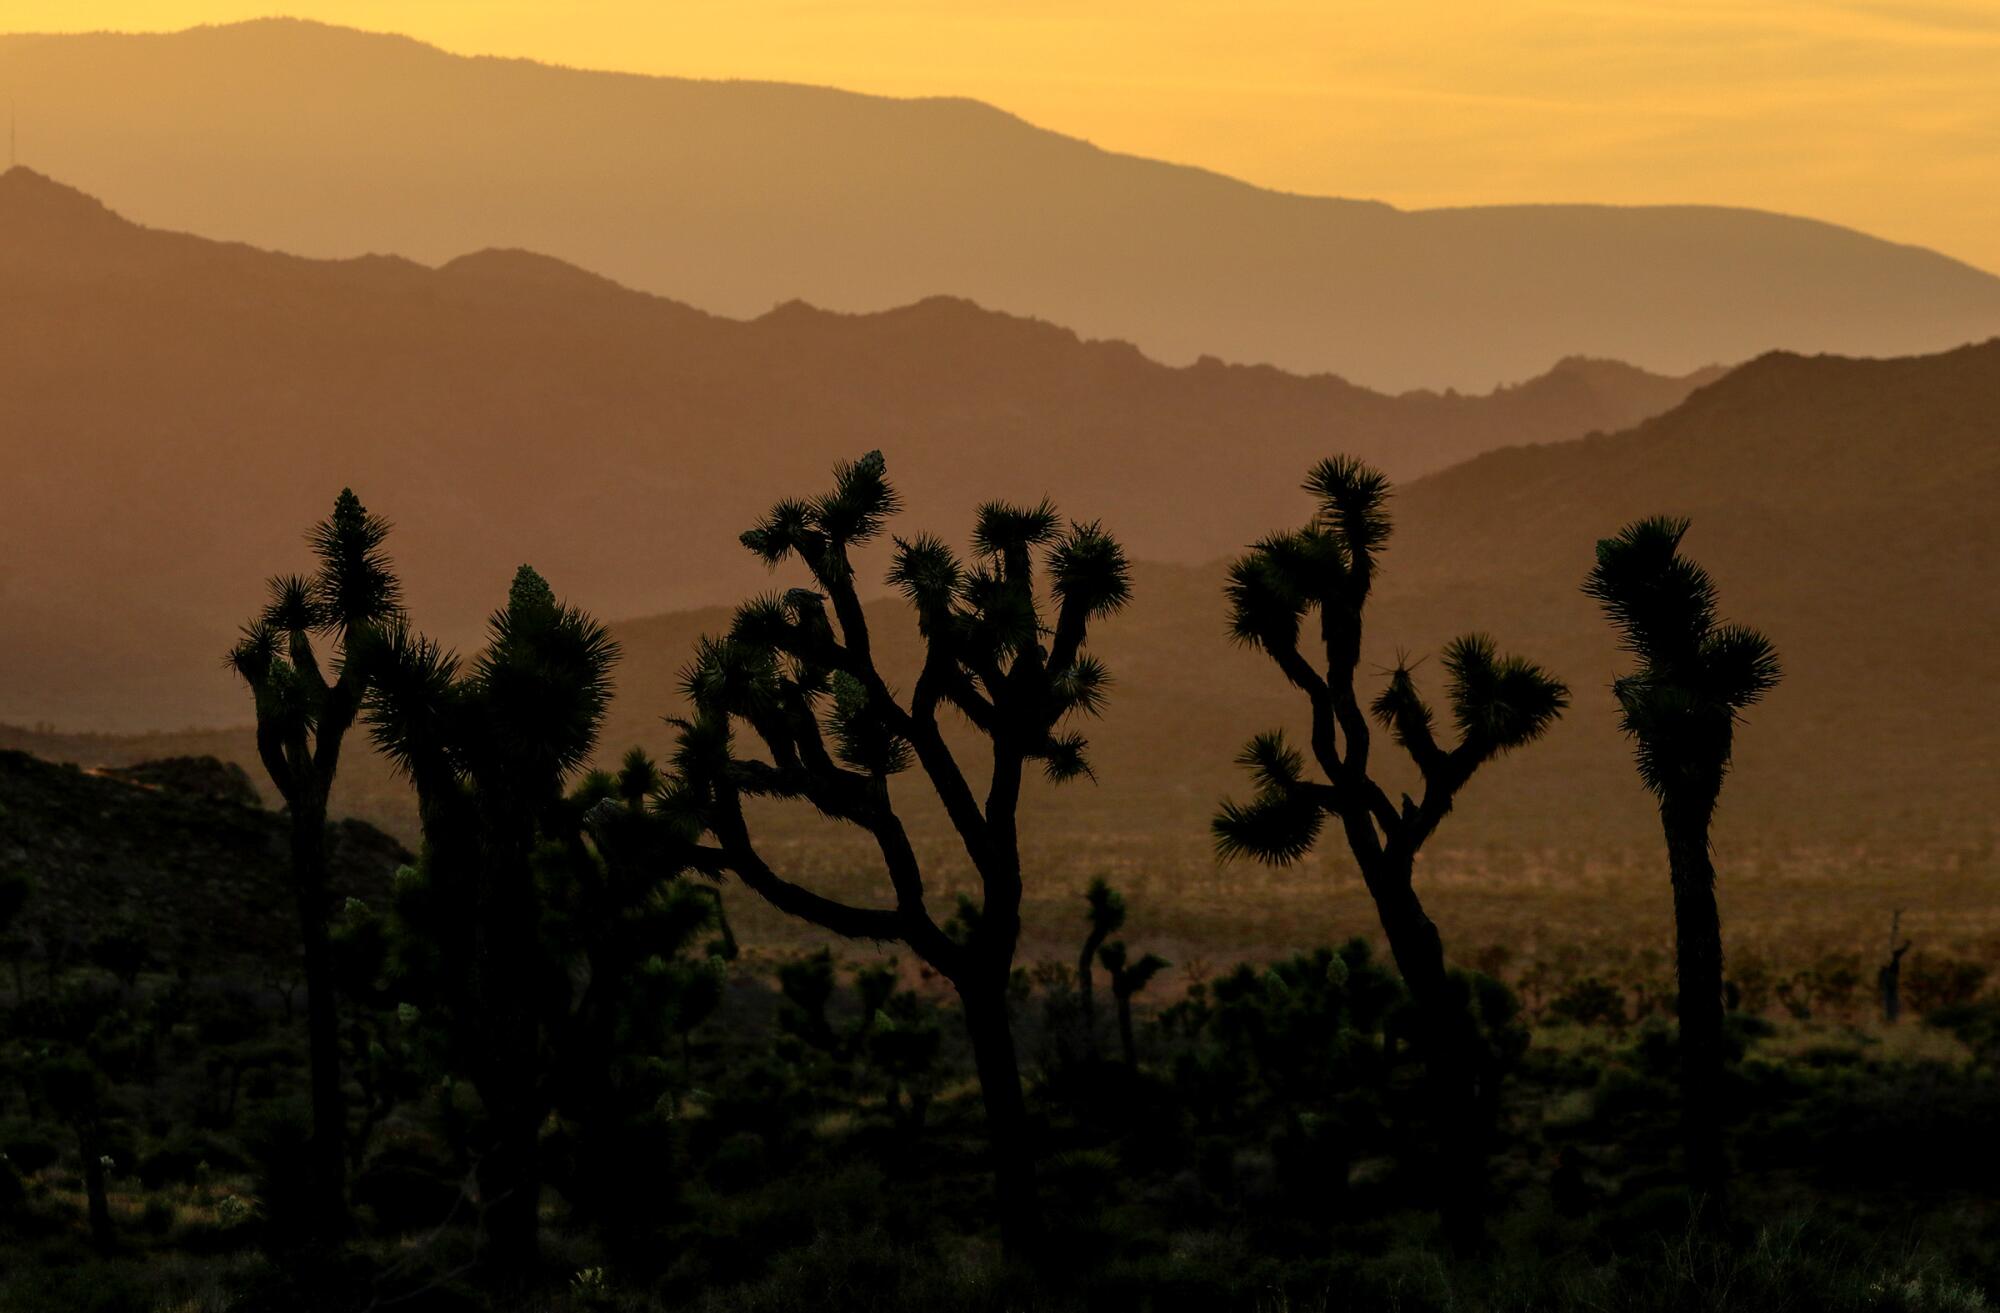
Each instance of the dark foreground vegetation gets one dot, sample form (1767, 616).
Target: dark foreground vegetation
(531, 1066)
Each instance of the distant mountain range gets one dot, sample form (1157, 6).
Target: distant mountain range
(175, 412)
(1844, 506)
(739, 195)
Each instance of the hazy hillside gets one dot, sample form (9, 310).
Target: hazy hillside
(176, 411)
(1844, 506)
(739, 195)
(204, 875)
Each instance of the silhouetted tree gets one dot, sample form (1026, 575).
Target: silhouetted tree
(16, 888)
(1106, 916)
(1889, 976)
(903, 1047)
(806, 683)
(302, 721)
(488, 749)
(76, 1091)
(1696, 675)
(1497, 703)
(1127, 979)
(1300, 1046)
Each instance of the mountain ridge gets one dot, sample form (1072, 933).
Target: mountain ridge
(736, 195)
(1881, 740)
(178, 410)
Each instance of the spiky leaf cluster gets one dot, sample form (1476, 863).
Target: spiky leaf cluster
(1696, 675)
(1105, 908)
(351, 596)
(1129, 977)
(1004, 630)
(1497, 702)
(1328, 566)
(794, 672)
(516, 722)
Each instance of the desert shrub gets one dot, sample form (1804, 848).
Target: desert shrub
(13, 1191)
(1590, 1002)
(29, 1147)
(1931, 983)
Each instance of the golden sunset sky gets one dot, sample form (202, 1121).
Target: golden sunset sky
(1873, 113)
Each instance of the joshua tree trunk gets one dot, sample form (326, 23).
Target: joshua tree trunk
(1446, 1042)
(329, 1113)
(510, 1176)
(992, 1036)
(1125, 1032)
(510, 1192)
(1016, 668)
(101, 1233)
(1890, 977)
(1698, 958)
(1086, 989)
(301, 722)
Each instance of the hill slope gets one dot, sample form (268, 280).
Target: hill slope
(207, 876)
(1844, 507)
(738, 195)
(175, 412)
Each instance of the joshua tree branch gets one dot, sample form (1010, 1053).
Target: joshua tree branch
(841, 798)
(271, 751)
(919, 930)
(847, 610)
(1297, 669)
(304, 661)
(919, 729)
(740, 856)
(1071, 626)
(943, 681)
(336, 716)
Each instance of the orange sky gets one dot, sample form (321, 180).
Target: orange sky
(1876, 113)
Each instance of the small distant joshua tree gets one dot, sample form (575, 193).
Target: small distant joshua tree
(1497, 703)
(1105, 912)
(798, 670)
(1128, 978)
(302, 721)
(1680, 708)
(77, 1092)
(1889, 976)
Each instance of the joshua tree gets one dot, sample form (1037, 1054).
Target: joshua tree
(121, 951)
(1106, 915)
(74, 1087)
(488, 750)
(805, 681)
(1497, 703)
(1680, 709)
(302, 720)
(1889, 976)
(16, 888)
(1127, 979)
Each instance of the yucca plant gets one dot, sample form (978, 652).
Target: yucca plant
(1104, 912)
(1128, 977)
(489, 747)
(1004, 648)
(303, 716)
(1326, 571)
(1680, 708)
(77, 1092)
